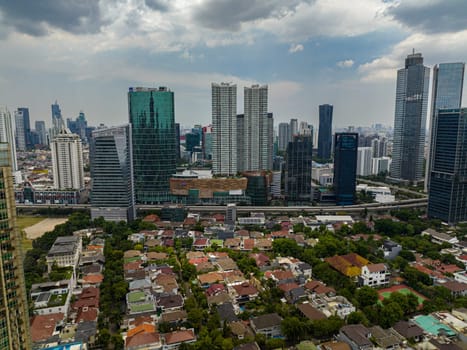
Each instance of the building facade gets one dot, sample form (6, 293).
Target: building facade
(448, 167)
(345, 167)
(224, 128)
(67, 161)
(152, 119)
(23, 129)
(299, 161)
(364, 161)
(14, 318)
(7, 135)
(325, 131)
(410, 120)
(113, 195)
(284, 136)
(57, 120)
(41, 131)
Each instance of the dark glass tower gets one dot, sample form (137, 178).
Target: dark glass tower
(447, 196)
(112, 195)
(345, 167)
(325, 131)
(152, 118)
(298, 169)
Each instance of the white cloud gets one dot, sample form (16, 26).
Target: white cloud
(294, 48)
(345, 64)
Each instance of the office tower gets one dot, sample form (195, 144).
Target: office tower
(57, 120)
(14, 318)
(284, 136)
(364, 161)
(41, 132)
(7, 135)
(410, 120)
(298, 169)
(192, 140)
(257, 132)
(177, 140)
(293, 128)
(113, 195)
(23, 129)
(224, 127)
(67, 161)
(241, 158)
(345, 167)
(207, 142)
(379, 147)
(448, 167)
(152, 118)
(325, 131)
(78, 126)
(448, 81)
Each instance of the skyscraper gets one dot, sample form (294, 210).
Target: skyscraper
(67, 160)
(113, 195)
(152, 118)
(57, 120)
(448, 167)
(224, 127)
(7, 135)
(299, 161)
(293, 128)
(448, 81)
(207, 142)
(177, 140)
(325, 131)
(410, 120)
(41, 132)
(364, 161)
(284, 136)
(345, 167)
(14, 318)
(23, 129)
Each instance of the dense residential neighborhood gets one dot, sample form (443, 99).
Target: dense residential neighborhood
(384, 282)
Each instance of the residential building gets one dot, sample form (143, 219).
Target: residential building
(325, 131)
(207, 142)
(23, 129)
(357, 336)
(112, 195)
(374, 275)
(231, 214)
(269, 325)
(224, 127)
(67, 160)
(448, 166)
(41, 132)
(65, 252)
(298, 169)
(410, 120)
(7, 135)
(448, 82)
(345, 167)
(391, 249)
(14, 317)
(152, 119)
(364, 161)
(380, 165)
(284, 136)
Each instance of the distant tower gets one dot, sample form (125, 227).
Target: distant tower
(67, 160)
(41, 132)
(448, 166)
(224, 128)
(325, 131)
(23, 129)
(284, 136)
(345, 167)
(14, 317)
(7, 135)
(364, 161)
(410, 120)
(57, 120)
(299, 161)
(293, 128)
(112, 195)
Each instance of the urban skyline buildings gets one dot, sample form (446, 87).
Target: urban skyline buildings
(112, 194)
(7, 135)
(298, 168)
(14, 316)
(22, 129)
(410, 120)
(152, 119)
(325, 131)
(284, 136)
(345, 167)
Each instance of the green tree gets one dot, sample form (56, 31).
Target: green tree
(293, 329)
(366, 296)
(357, 317)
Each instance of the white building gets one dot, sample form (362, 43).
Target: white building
(65, 252)
(374, 275)
(224, 128)
(364, 161)
(284, 136)
(67, 160)
(380, 165)
(7, 134)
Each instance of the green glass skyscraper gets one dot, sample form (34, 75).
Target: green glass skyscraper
(152, 116)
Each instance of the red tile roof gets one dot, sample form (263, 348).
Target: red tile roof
(141, 339)
(43, 326)
(179, 336)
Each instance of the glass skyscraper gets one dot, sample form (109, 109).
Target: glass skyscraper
(14, 318)
(112, 195)
(447, 197)
(299, 162)
(23, 129)
(325, 131)
(152, 118)
(345, 167)
(410, 120)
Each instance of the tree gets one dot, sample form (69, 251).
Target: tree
(293, 328)
(366, 296)
(357, 317)
(390, 314)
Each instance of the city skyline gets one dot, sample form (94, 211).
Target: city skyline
(308, 53)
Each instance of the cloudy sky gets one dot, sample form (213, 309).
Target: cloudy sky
(86, 53)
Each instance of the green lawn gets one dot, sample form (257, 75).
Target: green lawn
(405, 291)
(26, 221)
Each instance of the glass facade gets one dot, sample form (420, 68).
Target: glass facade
(112, 193)
(152, 118)
(299, 161)
(447, 196)
(325, 131)
(14, 320)
(345, 167)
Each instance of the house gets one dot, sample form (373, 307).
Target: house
(456, 288)
(304, 269)
(227, 264)
(206, 279)
(173, 340)
(357, 336)
(391, 249)
(385, 338)
(374, 275)
(439, 237)
(409, 330)
(334, 345)
(349, 265)
(319, 288)
(245, 292)
(174, 317)
(64, 252)
(143, 337)
(201, 244)
(269, 325)
(248, 346)
(310, 312)
(170, 302)
(240, 330)
(226, 313)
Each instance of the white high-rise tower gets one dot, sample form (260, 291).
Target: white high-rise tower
(7, 134)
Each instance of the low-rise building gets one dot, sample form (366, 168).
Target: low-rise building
(269, 325)
(357, 336)
(64, 252)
